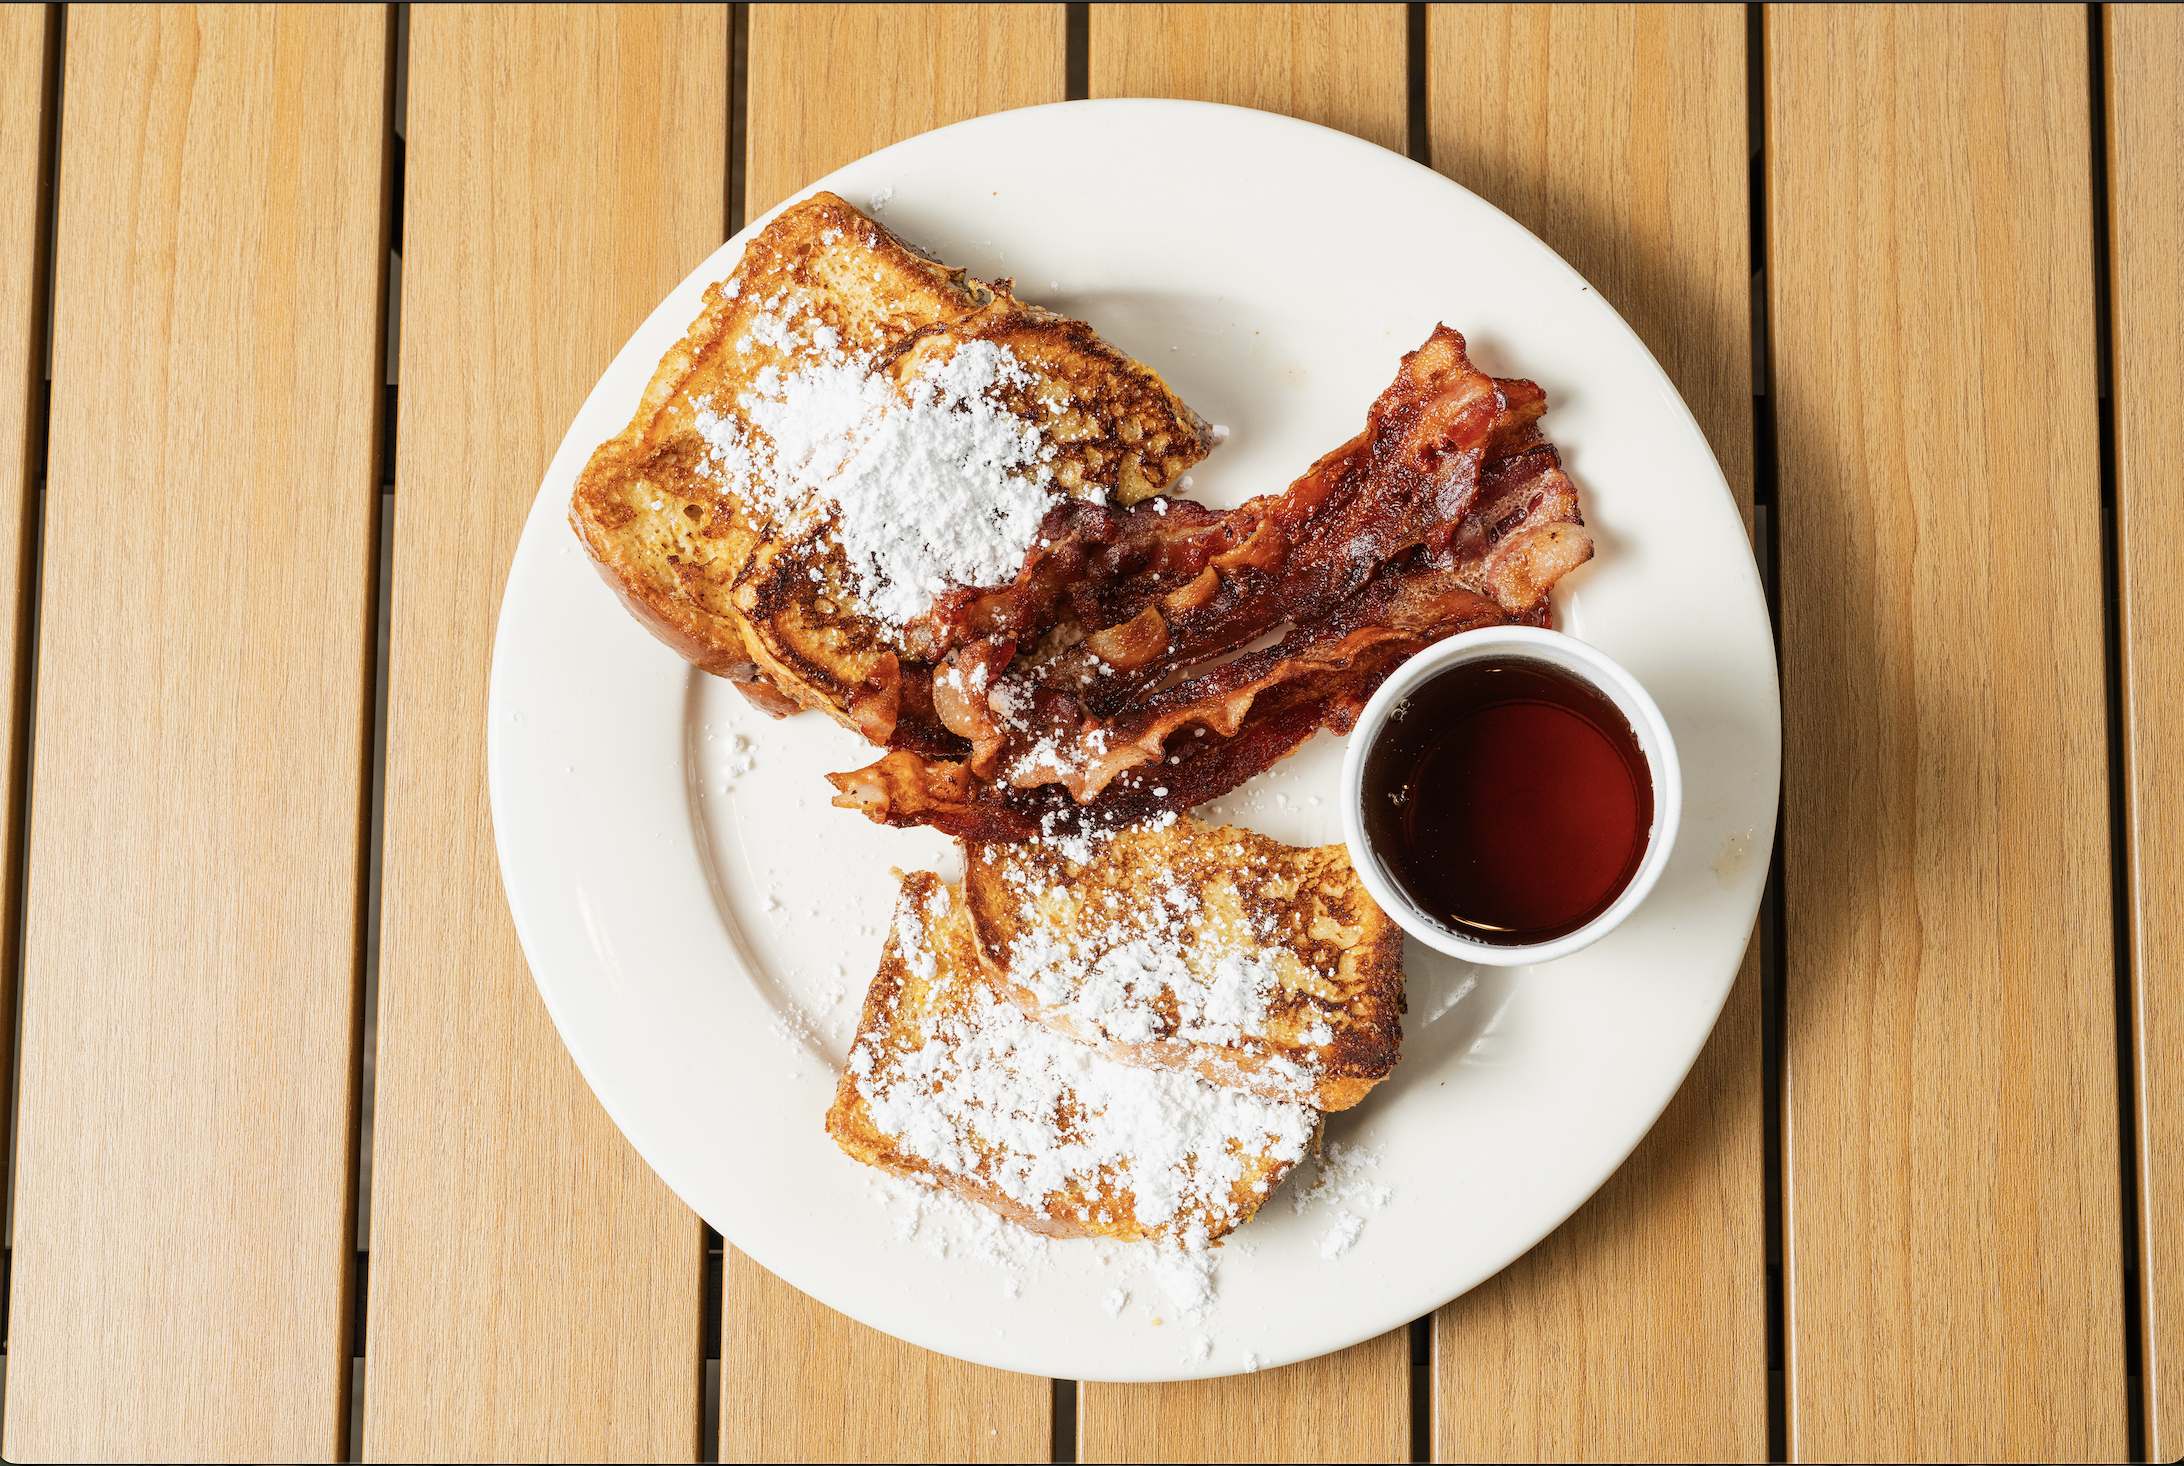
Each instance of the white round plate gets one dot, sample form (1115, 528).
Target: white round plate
(702, 923)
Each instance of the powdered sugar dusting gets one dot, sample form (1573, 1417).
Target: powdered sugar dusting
(1118, 970)
(928, 483)
(1058, 1129)
(947, 490)
(1114, 947)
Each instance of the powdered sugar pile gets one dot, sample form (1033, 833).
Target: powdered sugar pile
(929, 484)
(1056, 1127)
(947, 490)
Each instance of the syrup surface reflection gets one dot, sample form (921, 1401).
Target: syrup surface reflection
(1509, 800)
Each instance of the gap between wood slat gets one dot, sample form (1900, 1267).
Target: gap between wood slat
(739, 76)
(1418, 131)
(1765, 549)
(716, 1248)
(22, 706)
(1076, 87)
(2142, 126)
(1076, 52)
(2118, 764)
(390, 318)
(24, 695)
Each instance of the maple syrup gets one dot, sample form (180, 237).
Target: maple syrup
(1509, 800)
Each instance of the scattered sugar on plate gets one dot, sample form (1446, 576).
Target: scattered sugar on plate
(1342, 1236)
(1344, 1183)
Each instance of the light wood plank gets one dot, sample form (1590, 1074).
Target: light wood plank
(800, 1382)
(536, 1291)
(1353, 1405)
(1342, 66)
(2145, 45)
(831, 83)
(28, 65)
(1638, 1329)
(1952, 1270)
(204, 705)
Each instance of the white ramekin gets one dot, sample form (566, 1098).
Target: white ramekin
(1567, 654)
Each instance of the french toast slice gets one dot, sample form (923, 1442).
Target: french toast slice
(949, 1083)
(709, 514)
(1211, 950)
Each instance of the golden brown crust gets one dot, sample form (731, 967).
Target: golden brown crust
(730, 589)
(709, 644)
(662, 531)
(1333, 1027)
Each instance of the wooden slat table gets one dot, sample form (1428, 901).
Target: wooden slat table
(536, 1291)
(197, 859)
(1950, 1158)
(1915, 270)
(2145, 205)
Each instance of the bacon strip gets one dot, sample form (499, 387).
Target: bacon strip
(1405, 481)
(1449, 512)
(1199, 739)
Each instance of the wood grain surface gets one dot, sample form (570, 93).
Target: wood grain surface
(29, 55)
(829, 84)
(1618, 135)
(2145, 204)
(800, 1382)
(191, 988)
(1349, 1406)
(1952, 1278)
(536, 1291)
(1342, 66)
